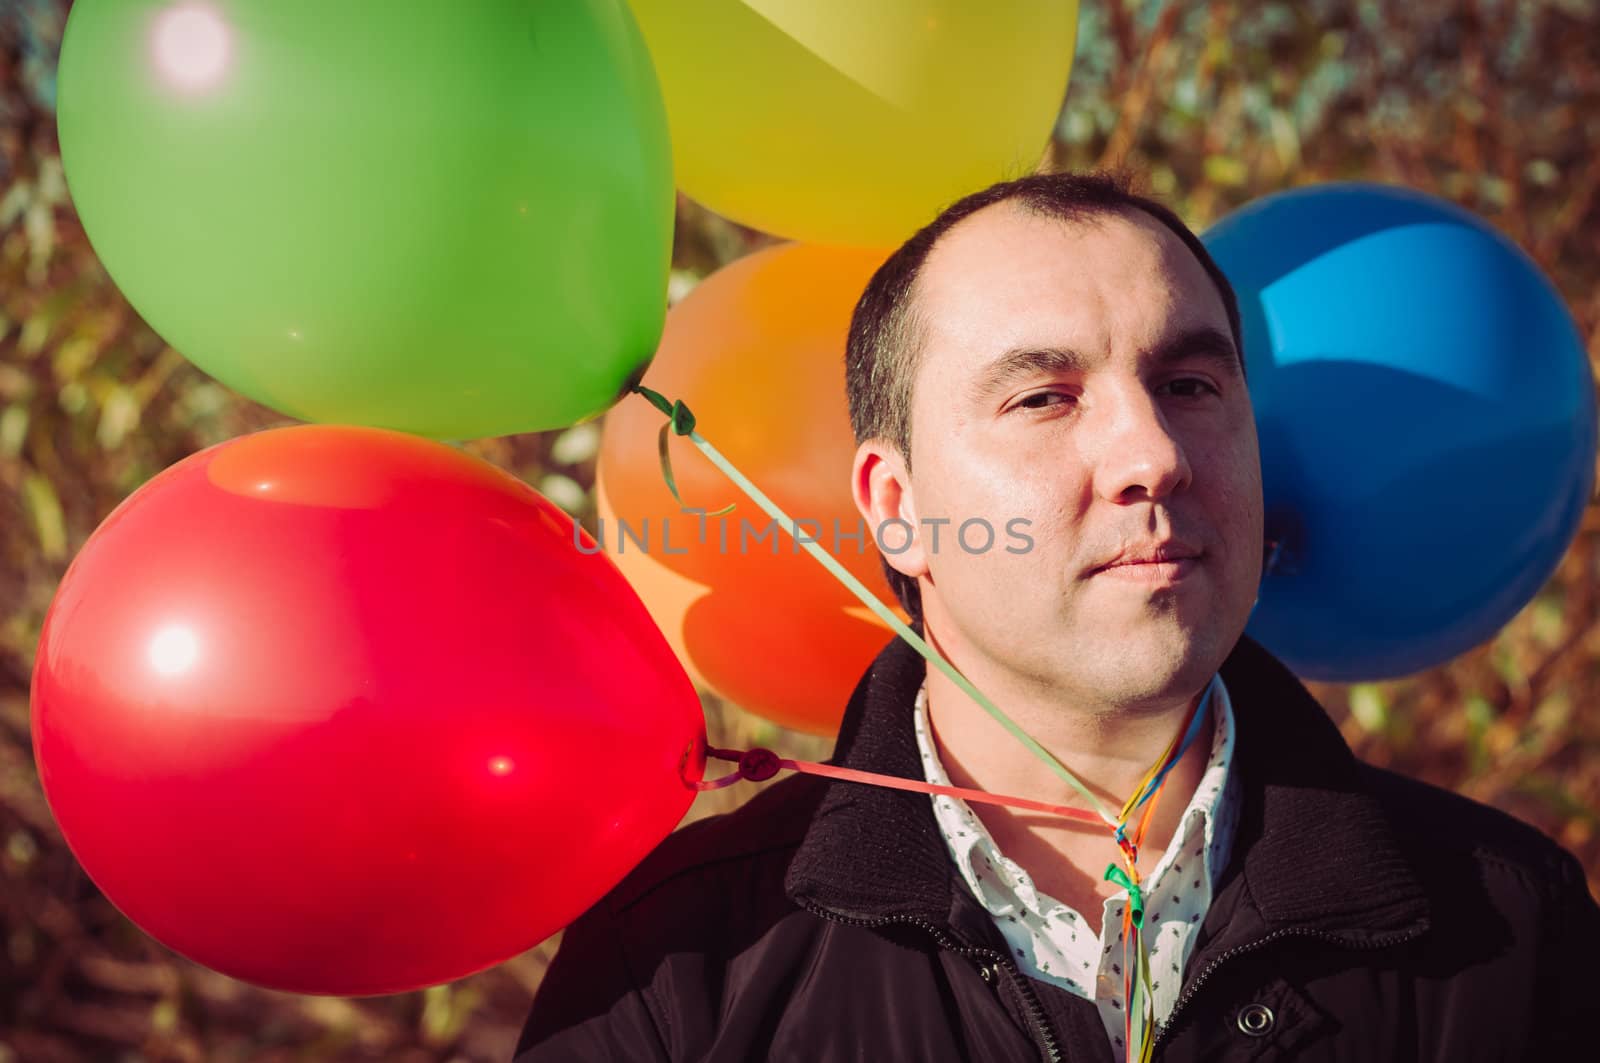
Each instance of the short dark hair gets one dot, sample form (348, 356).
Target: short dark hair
(882, 352)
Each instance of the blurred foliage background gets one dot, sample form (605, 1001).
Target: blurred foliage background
(1494, 104)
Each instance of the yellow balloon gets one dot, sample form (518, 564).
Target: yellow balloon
(855, 121)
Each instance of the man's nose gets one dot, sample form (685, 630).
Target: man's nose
(1139, 456)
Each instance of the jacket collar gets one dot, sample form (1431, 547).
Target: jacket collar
(1314, 849)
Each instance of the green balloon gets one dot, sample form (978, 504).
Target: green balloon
(453, 219)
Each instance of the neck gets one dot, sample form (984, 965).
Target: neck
(1108, 748)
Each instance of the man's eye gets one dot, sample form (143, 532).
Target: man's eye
(1040, 400)
(1190, 387)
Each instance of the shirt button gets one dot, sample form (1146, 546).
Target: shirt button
(1255, 1020)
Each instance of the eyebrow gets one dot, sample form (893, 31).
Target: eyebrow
(1205, 343)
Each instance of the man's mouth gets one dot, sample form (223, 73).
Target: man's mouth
(1161, 563)
(1154, 573)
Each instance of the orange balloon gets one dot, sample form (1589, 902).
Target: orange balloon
(757, 353)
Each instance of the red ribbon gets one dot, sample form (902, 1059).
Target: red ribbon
(759, 765)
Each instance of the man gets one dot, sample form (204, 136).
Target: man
(1058, 355)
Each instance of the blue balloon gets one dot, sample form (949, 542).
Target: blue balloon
(1426, 412)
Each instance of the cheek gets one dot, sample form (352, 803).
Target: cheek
(974, 483)
(1236, 507)
(1247, 474)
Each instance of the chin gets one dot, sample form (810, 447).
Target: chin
(1160, 665)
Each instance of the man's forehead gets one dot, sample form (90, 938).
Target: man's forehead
(1007, 271)
(1007, 242)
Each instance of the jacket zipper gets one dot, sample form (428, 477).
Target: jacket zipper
(1043, 1034)
(1322, 935)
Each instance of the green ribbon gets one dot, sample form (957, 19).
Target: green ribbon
(1142, 1010)
(681, 422)
(1135, 895)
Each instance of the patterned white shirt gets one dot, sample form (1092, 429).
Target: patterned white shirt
(1055, 944)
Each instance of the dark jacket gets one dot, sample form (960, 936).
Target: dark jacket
(1363, 916)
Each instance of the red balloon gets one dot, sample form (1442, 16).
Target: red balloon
(342, 710)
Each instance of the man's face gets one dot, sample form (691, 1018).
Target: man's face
(1081, 377)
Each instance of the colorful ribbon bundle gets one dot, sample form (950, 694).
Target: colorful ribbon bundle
(760, 764)
(1136, 986)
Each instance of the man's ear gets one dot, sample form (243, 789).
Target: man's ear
(882, 492)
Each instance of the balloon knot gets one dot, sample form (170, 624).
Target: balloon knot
(755, 765)
(1135, 894)
(682, 419)
(759, 765)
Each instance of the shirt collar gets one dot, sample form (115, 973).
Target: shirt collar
(1212, 810)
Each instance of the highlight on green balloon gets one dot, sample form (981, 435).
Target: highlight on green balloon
(449, 219)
